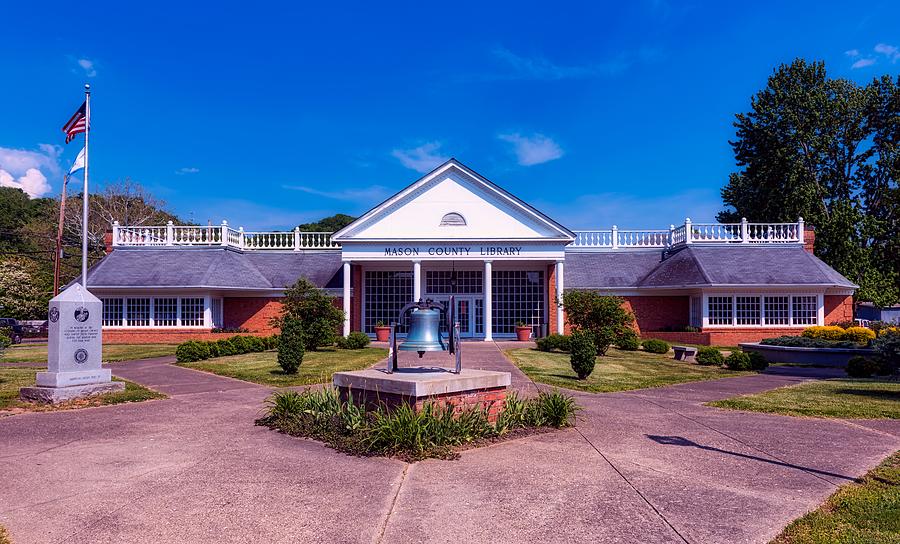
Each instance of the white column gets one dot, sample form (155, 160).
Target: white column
(346, 300)
(417, 280)
(820, 313)
(560, 285)
(488, 302)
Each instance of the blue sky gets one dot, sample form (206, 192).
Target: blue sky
(270, 114)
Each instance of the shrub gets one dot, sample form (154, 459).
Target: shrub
(888, 347)
(860, 335)
(738, 360)
(213, 348)
(862, 367)
(604, 317)
(191, 351)
(291, 345)
(710, 356)
(758, 361)
(5, 338)
(830, 332)
(655, 346)
(230, 329)
(553, 342)
(271, 341)
(628, 341)
(225, 347)
(355, 340)
(239, 344)
(316, 311)
(583, 353)
(806, 342)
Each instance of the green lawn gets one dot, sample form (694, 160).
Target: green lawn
(317, 367)
(11, 379)
(835, 398)
(867, 511)
(37, 353)
(616, 371)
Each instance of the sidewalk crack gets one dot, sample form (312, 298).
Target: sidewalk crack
(390, 512)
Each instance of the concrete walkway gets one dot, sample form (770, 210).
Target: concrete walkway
(642, 466)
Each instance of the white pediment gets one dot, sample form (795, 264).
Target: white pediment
(453, 203)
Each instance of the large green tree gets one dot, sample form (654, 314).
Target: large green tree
(825, 149)
(332, 223)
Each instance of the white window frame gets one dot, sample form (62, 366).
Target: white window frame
(820, 313)
(207, 311)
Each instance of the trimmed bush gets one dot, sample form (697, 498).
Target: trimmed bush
(652, 345)
(191, 351)
(738, 360)
(226, 348)
(628, 341)
(583, 353)
(888, 347)
(860, 335)
(291, 345)
(239, 344)
(806, 342)
(553, 342)
(758, 361)
(829, 332)
(355, 340)
(710, 356)
(862, 367)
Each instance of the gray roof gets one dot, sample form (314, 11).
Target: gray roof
(215, 267)
(700, 267)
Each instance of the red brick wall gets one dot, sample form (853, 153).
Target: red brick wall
(654, 313)
(251, 313)
(838, 308)
(163, 336)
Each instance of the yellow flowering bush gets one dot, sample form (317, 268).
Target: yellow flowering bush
(860, 335)
(829, 332)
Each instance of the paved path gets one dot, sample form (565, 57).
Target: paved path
(643, 466)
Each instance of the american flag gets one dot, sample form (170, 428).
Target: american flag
(75, 125)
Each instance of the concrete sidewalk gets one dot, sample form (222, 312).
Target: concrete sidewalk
(642, 466)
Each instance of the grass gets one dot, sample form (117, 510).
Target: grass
(317, 366)
(835, 398)
(866, 511)
(37, 353)
(616, 371)
(11, 379)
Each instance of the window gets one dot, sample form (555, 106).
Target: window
(805, 310)
(696, 311)
(453, 219)
(437, 282)
(747, 310)
(216, 308)
(192, 312)
(777, 310)
(720, 310)
(138, 312)
(385, 293)
(165, 312)
(112, 312)
(517, 295)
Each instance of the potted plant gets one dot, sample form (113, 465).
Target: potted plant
(382, 332)
(523, 332)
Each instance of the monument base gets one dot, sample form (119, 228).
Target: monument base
(56, 395)
(483, 389)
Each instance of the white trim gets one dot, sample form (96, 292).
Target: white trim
(345, 296)
(488, 304)
(761, 295)
(560, 287)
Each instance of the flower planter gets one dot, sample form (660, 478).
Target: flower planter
(523, 334)
(382, 334)
(830, 357)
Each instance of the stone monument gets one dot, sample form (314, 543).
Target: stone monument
(74, 351)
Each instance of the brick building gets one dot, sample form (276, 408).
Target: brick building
(454, 232)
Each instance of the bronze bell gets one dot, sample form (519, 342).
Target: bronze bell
(424, 332)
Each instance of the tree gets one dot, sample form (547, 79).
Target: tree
(316, 312)
(824, 149)
(604, 317)
(332, 223)
(24, 291)
(583, 353)
(290, 345)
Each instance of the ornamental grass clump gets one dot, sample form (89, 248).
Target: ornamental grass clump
(435, 430)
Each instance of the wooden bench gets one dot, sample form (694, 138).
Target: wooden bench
(685, 353)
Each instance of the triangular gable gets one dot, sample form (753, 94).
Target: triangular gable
(453, 202)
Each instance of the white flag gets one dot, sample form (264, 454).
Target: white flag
(79, 162)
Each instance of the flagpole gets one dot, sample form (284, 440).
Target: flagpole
(84, 212)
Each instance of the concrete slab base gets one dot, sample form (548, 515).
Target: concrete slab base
(55, 395)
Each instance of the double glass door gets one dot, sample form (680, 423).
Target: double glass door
(466, 314)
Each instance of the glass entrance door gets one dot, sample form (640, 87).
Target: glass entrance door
(465, 314)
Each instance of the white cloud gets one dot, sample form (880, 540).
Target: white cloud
(422, 159)
(534, 149)
(538, 67)
(889, 51)
(862, 63)
(852, 53)
(187, 170)
(89, 67)
(33, 182)
(368, 195)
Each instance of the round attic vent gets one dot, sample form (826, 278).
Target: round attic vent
(453, 219)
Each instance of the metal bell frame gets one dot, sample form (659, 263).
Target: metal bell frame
(454, 343)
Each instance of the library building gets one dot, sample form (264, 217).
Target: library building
(453, 232)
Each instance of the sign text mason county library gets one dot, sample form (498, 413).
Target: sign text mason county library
(453, 251)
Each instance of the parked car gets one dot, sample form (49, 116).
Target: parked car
(14, 326)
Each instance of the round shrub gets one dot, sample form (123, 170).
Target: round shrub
(191, 351)
(738, 360)
(225, 348)
(758, 361)
(628, 341)
(355, 340)
(583, 353)
(653, 345)
(553, 342)
(862, 367)
(710, 356)
(291, 345)
(888, 347)
(830, 332)
(860, 335)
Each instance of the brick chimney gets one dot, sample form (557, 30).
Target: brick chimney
(809, 238)
(108, 241)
